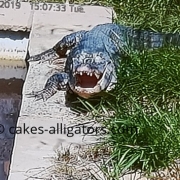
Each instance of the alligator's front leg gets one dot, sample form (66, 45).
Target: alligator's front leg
(60, 49)
(56, 82)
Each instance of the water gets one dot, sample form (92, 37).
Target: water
(10, 103)
(13, 55)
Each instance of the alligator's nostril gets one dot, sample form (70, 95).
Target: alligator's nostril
(88, 61)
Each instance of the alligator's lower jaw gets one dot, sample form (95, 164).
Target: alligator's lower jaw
(85, 95)
(87, 92)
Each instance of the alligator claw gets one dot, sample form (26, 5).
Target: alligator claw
(49, 55)
(38, 95)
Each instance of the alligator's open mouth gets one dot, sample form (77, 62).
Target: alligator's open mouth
(87, 82)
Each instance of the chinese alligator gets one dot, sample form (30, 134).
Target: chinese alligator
(94, 56)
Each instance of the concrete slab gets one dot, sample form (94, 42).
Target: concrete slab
(17, 16)
(40, 139)
(31, 150)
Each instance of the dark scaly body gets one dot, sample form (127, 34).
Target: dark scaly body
(94, 57)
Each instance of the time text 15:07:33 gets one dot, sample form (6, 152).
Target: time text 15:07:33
(55, 7)
(48, 6)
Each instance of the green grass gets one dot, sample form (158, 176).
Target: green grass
(150, 75)
(155, 146)
(146, 97)
(158, 15)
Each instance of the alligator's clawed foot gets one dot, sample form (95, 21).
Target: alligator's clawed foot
(49, 55)
(55, 83)
(38, 95)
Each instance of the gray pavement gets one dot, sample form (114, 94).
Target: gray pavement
(16, 19)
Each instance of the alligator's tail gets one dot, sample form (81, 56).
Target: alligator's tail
(140, 39)
(172, 39)
(157, 40)
(49, 55)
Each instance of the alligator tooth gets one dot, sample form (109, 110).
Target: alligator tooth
(91, 74)
(97, 75)
(77, 88)
(81, 73)
(87, 73)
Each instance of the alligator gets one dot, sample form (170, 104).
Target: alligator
(91, 65)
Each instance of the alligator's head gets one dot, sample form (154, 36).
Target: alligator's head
(91, 73)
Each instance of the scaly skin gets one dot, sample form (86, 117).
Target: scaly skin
(94, 57)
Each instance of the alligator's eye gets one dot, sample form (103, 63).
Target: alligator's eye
(86, 79)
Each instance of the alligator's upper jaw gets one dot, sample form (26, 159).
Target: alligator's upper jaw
(87, 83)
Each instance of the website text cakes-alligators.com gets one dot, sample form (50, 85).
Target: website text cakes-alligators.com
(61, 128)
